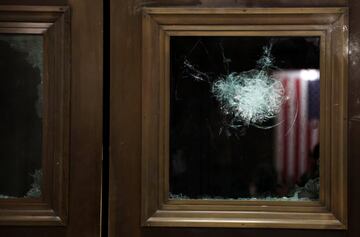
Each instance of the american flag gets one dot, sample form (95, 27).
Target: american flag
(298, 130)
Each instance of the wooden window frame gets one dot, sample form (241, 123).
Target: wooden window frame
(53, 23)
(161, 23)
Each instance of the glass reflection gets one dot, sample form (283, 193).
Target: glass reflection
(21, 66)
(244, 118)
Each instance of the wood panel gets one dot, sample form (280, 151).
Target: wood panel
(159, 24)
(86, 108)
(86, 123)
(354, 117)
(51, 209)
(125, 178)
(34, 2)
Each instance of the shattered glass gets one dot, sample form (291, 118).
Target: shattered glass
(21, 66)
(244, 118)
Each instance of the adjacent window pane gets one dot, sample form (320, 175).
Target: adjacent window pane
(244, 118)
(21, 68)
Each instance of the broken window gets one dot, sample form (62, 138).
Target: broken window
(244, 118)
(21, 66)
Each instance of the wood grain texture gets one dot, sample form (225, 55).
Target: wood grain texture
(354, 123)
(86, 123)
(125, 178)
(34, 2)
(53, 24)
(159, 24)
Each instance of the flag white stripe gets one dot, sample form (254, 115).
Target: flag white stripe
(280, 139)
(291, 133)
(303, 127)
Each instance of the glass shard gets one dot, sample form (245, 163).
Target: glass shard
(21, 66)
(244, 118)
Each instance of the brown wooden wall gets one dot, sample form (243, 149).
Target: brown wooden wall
(354, 116)
(86, 122)
(125, 123)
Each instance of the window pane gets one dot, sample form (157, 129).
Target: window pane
(21, 67)
(244, 118)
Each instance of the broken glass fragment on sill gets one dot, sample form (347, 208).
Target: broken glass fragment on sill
(34, 191)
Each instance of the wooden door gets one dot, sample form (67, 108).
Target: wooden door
(70, 201)
(127, 177)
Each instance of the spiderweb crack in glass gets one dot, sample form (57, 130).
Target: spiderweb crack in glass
(251, 97)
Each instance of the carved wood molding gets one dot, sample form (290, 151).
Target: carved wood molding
(53, 24)
(159, 24)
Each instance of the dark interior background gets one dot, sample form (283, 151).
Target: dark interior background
(208, 157)
(20, 123)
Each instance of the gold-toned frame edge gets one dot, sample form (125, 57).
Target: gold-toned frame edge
(52, 208)
(155, 220)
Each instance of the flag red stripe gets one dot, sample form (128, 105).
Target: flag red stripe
(297, 135)
(309, 142)
(285, 116)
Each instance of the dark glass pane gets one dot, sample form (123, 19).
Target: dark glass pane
(244, 118)
(21, 67)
